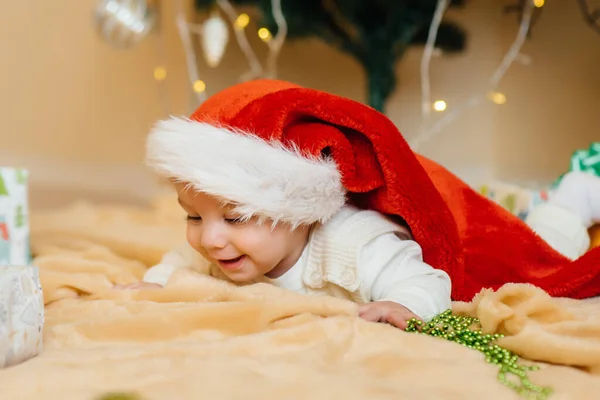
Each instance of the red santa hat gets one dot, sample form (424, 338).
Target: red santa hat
(256, 168)
(287, 153)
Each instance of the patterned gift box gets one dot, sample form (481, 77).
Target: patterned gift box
(14, 224)
(519, 200)
(21, 297)
(21, 314)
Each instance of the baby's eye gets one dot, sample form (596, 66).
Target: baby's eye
(193, 218)
(234, 221)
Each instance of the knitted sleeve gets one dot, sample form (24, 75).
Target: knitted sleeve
(393, 270)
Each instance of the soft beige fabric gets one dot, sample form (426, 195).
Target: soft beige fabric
(204, 338)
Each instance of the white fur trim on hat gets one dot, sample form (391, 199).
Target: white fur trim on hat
(257, 177)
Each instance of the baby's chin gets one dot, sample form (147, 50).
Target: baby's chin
(243, 274)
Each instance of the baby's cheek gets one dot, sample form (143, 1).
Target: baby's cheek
(193, 236)
(256, 237)
(261, 252)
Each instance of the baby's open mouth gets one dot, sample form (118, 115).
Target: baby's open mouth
(232, 263)
(232, 260)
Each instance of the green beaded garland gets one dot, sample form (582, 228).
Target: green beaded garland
(458, 329)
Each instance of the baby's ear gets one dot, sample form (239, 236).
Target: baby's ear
(404, 232)
(403, 235)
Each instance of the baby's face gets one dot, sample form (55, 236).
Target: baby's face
(242, 250)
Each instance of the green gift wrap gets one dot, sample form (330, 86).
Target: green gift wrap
(585, 160)
(14, 223)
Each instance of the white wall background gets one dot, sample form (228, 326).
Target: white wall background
(76, 112)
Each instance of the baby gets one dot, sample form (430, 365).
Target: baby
(358, 254)
(266, 209)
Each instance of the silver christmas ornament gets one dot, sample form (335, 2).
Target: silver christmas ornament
(214, 36)
(124, 23)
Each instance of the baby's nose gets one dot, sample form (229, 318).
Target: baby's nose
(213, 237)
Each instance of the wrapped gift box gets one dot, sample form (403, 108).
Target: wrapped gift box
(21, 298)
(14, 224)
(21, 314)
(520, 199)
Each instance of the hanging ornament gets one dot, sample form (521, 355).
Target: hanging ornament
(214, 37)
(124, 23)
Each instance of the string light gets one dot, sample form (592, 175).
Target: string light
(240, 36)
(524, 59)
(439, 105)
(427, 54)
(241, 21)
(276, 44)
(425, 134)
(161, 88)
(190, 55)
(591, 17)
(199, 86)
(160, 73)
(497, 97)
(539, 3)
(264, 34)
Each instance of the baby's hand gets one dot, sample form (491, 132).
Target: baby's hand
(387, 311)
(138, 285)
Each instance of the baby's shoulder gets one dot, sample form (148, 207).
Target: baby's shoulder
(351, 216)
(354, 227)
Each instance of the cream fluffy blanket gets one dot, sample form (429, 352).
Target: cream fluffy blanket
(204, 338)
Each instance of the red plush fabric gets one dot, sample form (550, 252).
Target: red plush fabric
(477, 242)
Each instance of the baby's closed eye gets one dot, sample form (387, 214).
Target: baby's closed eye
(235, 220)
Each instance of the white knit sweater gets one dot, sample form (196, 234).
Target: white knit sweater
(357, 255)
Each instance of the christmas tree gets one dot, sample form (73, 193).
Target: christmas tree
(376, 33)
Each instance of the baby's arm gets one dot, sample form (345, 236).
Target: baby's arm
(183, 256)
(158, 275)
(394, 271)
(174, 259)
